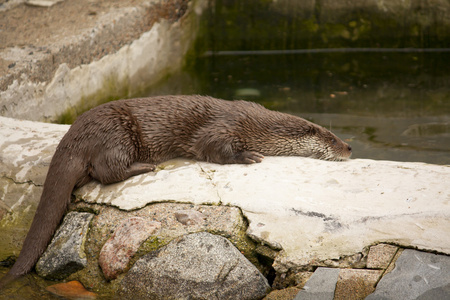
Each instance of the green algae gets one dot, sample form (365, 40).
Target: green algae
(267, 25)
(153, 243)
(111, 90)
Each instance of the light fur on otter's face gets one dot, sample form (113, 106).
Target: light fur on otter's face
(288, 135)
(317, 142)
(325, 145)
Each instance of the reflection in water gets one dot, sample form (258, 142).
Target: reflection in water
(428, 129)
(28, 287)
(393, 106)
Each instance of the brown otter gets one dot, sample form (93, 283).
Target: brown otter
(123, 138)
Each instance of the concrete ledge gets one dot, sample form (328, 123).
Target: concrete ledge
(95, 53)
(315, 211)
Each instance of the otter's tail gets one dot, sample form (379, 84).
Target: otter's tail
(65, 172)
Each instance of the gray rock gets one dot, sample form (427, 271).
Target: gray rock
(417, 275)
(442, 292)
(65, 254)
(196, 266)
(321, 285)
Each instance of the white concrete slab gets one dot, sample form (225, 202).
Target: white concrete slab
(314, 210)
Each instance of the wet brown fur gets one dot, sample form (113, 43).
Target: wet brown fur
(120, 139)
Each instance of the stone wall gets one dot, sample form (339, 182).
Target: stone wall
(77, 55)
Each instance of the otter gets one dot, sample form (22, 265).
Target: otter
(123, 138)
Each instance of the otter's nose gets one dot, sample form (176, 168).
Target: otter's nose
(349, 148)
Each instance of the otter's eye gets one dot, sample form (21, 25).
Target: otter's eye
(333, 140)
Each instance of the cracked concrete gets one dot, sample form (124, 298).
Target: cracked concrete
(315, 211)
(22, 182)
(337, 220)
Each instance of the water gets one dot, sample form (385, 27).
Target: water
(27, 287)
(352, 68)
(388, 105)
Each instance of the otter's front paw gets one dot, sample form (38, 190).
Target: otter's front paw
(249, 157)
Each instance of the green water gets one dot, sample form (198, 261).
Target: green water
(392, 106)
(380, 79)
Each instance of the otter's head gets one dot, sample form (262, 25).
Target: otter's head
(318, 142)
(289, 135)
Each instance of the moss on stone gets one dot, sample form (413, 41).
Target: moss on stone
(153, 243)
(112, 90)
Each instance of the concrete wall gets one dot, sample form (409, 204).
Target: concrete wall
(290, 24)
(120, 54)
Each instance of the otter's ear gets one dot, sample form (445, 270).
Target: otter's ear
(311, 130)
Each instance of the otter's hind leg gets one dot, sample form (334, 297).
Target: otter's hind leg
(108, 175)
(116, 164)
(138, 168)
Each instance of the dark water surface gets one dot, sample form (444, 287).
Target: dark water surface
(378, 79)
(388, 105)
